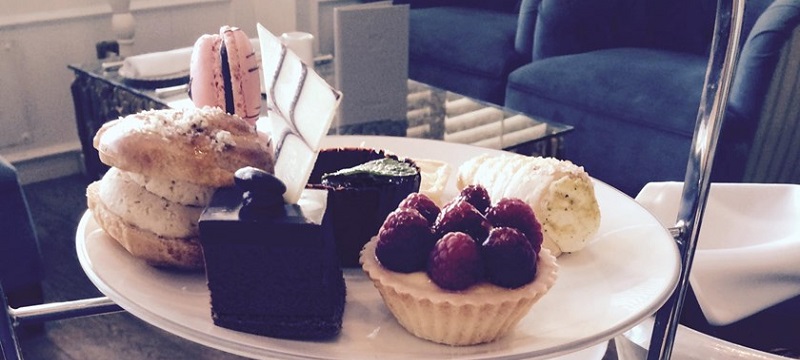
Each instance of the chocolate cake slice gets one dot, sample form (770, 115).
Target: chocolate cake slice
(272, 267)
(365, 185)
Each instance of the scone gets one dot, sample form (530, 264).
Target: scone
(560, 193)
(204, 146)
(159, 230)
(165, 166)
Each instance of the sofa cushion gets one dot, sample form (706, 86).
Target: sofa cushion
(654, 88)
(495, 5)
(448, 49)
(679, 25)
(568, 27)
(625, 155)
(759, 57)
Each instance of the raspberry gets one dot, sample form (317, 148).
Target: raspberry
(477, 196)
(517, 214)
(508, 258)
(404, 241)
(459, 215)
(423, 204)
(455, 262)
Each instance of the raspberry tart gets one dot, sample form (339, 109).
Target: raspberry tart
(457, 275)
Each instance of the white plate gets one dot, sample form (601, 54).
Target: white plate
(621, 278)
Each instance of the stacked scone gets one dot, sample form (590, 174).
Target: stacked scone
(165, 165)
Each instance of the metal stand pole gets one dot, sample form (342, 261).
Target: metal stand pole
(719, 76)
(11, 318)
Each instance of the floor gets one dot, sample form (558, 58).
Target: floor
(56, 207)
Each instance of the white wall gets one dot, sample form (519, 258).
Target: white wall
(37, 119)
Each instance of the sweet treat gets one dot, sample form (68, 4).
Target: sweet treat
(435, 174)
(450, 287)
(515, 213)
(160, 231)
(203, 146)
(268, 246)
(301, 108)
(423, 204)
(477, 196)
(272, 267)
(165, 165)
(365, 186)
(560, 193)
(406, 240)
(224, 72)
(461, 215)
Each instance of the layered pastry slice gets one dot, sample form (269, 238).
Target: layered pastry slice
(271, 266)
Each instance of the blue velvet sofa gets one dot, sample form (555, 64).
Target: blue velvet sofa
(20, 260)
(627, 74)
(464, 46)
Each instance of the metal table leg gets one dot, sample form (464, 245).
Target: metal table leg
(719, 76)
(9, 346)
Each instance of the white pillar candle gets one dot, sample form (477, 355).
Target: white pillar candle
(123, 25)
(302, 44)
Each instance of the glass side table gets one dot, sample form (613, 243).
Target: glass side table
(101, 94)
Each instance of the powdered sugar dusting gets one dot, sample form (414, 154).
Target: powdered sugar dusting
(222, 139)
(556, 167)
(190, 123)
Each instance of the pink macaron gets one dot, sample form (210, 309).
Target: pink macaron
(224, 72)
